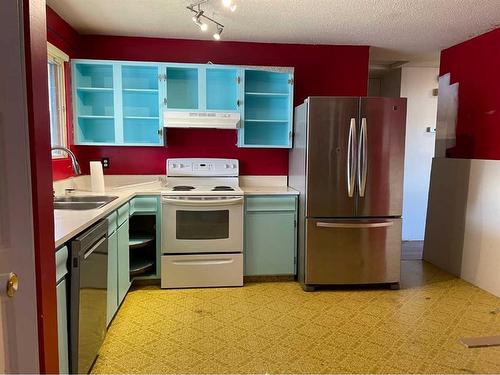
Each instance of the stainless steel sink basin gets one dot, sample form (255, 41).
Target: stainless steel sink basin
(87, 202)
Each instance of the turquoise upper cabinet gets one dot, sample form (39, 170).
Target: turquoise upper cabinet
(122, 103)
(117, 103)
(202, 88)
(94, 102)
(268, 109)
(141, 104)
(182, 88)
(222, 89)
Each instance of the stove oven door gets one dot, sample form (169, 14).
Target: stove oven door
(194, 224)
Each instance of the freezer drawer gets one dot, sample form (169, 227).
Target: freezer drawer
(199, 271)
(357, 251)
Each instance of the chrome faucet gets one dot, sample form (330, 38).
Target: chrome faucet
(74, 163)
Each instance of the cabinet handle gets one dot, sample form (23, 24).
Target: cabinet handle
(164, 101)
(160, 132)
(238, 102)
(238, 80)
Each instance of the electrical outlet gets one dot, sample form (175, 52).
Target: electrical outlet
(105, 162)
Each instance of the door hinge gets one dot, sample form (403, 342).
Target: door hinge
(238, 80)
(290, 81)
(294, 261)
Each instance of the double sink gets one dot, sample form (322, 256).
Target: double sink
(83, 202)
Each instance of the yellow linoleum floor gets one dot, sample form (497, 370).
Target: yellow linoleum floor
(275, 327)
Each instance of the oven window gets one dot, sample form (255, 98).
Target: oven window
(202, 225)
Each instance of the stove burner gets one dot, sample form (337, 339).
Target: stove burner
(182, 188)
(223, 188)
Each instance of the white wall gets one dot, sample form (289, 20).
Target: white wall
(417, 84)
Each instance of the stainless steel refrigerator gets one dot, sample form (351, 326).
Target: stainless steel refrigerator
(347, 162)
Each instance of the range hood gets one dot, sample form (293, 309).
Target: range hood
(217, 120)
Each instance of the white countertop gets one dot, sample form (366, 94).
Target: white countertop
(69, 223)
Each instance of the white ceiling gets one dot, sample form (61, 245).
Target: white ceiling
(399, 29)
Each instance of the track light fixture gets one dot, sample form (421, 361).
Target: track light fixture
(218, 32)
(196, 19)
(200, 16)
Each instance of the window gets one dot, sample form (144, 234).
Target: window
(57, 98)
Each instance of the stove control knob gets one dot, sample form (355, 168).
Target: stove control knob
(226, 166)
(174, 165)
(233, 166)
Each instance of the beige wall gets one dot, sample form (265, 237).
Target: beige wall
(417, 84)
(463, 220)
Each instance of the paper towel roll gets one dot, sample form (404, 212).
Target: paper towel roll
(96, 177)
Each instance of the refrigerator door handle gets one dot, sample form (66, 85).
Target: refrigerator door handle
(380, 224)
(351, 149)
(362, 158)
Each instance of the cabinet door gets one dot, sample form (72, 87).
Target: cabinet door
(62, 327)
(222, 89)
(267, 110)
(112, 276)
(140, 89)
(270, 252)
(182, 87)
(123, 261)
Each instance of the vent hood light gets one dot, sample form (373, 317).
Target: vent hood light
(215, 120)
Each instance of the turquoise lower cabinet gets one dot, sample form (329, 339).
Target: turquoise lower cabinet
(123, 255)
(112, 268)
(62, 308)
(270, 235)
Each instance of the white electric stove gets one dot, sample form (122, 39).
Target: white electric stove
(202, 224)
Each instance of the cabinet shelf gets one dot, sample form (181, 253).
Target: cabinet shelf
(95, 89)
(141, 117)
(140, 241)
(261, 120)
(141, 266)
(145, 91)
(265, 94)
(95, 117)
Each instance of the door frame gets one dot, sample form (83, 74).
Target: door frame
(35, 51)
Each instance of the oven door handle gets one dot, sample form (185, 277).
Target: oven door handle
(202, 203)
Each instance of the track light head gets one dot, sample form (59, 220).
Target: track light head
(196, 19)
(218, 32)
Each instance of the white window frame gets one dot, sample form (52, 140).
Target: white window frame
(58, 57)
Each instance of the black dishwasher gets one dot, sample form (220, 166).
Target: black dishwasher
(89, 269)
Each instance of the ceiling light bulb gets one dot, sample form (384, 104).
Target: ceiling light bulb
(203, 27)
(227, 3)
(233, 7)
(217, 36)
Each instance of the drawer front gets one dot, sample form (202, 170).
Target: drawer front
(143, 204)
(123, 214)
(112, 222)
(197, 271)
(271, 203)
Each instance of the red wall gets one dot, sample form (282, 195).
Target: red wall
(475, 64)
(319, 70)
